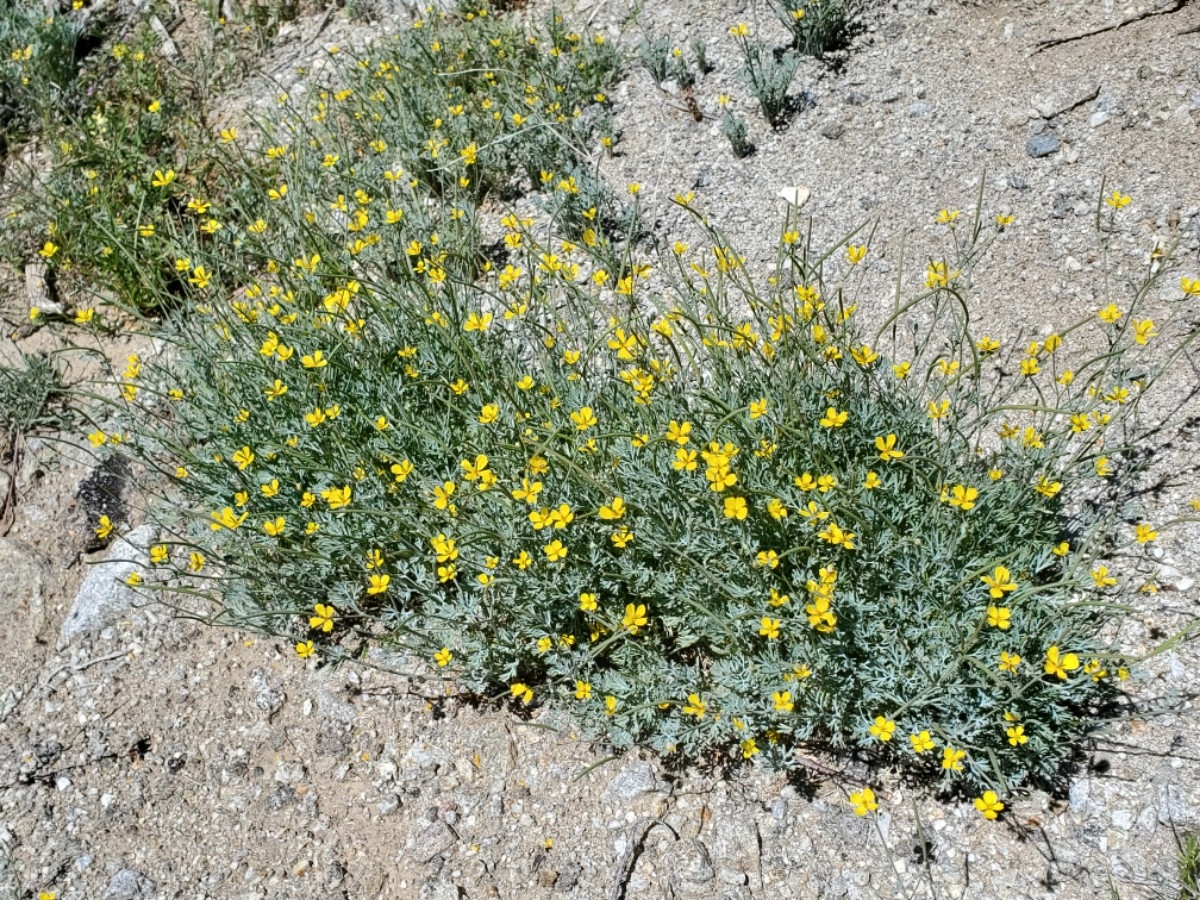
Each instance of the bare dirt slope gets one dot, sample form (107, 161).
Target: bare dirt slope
(155, 757)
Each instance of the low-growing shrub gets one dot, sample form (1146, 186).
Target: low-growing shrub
(141, 193)
(663, 61)
(704, 511)
(769, 75)
(818, 27)
(39, 66)
(27, 390)
(698, 516)
(734, 128)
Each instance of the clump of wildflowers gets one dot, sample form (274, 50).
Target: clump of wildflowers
(707, 512)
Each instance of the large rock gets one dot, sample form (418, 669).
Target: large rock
(130, 884)
(104, 592)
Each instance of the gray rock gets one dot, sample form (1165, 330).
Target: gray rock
(918, 110)
(267, 698)
(833, 130)
(1018, 182)
(779, 810)
(104, 593)
(891, 95)
(433, 841)
(1042, 145)
(692, 862)
(1062, 205)
(731, 876)
(1096, 119)
(129, 884)
(636, 778)
(568, 877)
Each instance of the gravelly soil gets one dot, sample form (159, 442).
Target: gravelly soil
(157, 757)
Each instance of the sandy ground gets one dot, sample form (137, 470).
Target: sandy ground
(157, 757)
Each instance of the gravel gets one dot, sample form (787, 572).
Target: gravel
(209, 763)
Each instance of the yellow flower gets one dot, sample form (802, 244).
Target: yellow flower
(1016, 735)
(735, 508)
(378, 584)
(963, 497)
(442, 494)
(783, 701)
(1117, 200)
(1110, 314)
(1145, 533)
(999, 617)
(989, 805)
(1144, 330)
(1101, 578)
(443, 657)
(855, 254)
(610, 705)
(104, 527)
(946, 216)
(477, 322)
(695, 706)
(922, 742)
(226, 518)
(741, 29)
(587, 602)
(767, 559)
(555, 551)
(749, 748)
(887, 448)
(837, 536)
(614, 510)
(883, 729)
(322, 618)
(584, 418)
(275, 527)
(952, 759)
(834, 419)
(635, 617)
(758, 408)
(769, 628)
(521, 692)
(337, 497)
(305, 649)
(999, 582)
(1060, 664)
(863, 802)
(1047, 488)
(85, 316)
(1009, 662)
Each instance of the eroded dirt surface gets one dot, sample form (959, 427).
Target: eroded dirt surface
(157, 757)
